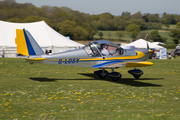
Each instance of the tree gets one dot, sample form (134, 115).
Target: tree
(133, 30)
(95, 17)
(108, 21)
(167, 23)
(154, 25)
(16, 20)
(168, 17)
(153, 18)
(79, 33)
(72, 29)
(91, 29)
(137, 15)
(176, 18)
(37, 18)
(178, 25)
(126, 13)
(155, 36)
(100, 25)
(145, 17)
(120, 34)
(67, 28)
(121, 23)
(100, 34)
(175, 34)
(139, 22)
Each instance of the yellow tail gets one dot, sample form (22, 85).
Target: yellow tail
(26, 44)
(21, 42)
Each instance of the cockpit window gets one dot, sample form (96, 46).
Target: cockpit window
(103, 48)
(88, 50)
(92, 50)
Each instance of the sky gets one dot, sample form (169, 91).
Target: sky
(115, 7)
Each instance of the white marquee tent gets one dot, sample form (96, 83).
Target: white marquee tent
(143, 44)
(45, 36)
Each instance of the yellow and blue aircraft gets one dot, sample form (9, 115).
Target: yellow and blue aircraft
(100, 54)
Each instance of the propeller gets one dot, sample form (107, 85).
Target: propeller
(150, 51)
(147, 45)
(147, 41)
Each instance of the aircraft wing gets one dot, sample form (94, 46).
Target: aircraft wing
(117, 64)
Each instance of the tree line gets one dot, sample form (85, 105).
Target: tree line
(82, 26)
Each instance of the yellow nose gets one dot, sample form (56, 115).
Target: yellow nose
(150, 51)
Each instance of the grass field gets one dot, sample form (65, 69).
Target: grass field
(163, 33)
(113, 37)
(49, 92)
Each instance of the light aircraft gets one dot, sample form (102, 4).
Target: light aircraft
(91, 55)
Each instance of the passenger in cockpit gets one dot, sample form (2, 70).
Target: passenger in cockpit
(119, 51)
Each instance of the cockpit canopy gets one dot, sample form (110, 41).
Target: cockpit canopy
(101, 48)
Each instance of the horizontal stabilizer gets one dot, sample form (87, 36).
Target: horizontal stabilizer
(36, 59)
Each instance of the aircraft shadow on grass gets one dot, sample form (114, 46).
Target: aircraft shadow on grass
(43, 79)
(126, 81)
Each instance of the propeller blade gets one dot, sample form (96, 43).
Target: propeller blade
(147, 45)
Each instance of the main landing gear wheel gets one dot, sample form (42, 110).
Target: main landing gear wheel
(114, 76)
(136, 73)
(101, 73)
(115, 79)
(136, 76)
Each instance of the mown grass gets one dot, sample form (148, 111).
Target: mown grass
(163, 33)
(170, 27)
(113, 36)
(48, 92)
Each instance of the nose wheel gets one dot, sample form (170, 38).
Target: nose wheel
(136, 73)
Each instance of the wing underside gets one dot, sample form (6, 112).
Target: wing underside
(109, 65)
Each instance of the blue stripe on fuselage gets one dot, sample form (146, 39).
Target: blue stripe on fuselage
(102, 64)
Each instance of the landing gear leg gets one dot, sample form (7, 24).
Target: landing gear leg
(101, 73)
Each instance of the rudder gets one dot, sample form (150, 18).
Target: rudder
(26, 44)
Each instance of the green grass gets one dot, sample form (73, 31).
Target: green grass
(170, 27)
(163, 33)
(113, 37)
(48, 92)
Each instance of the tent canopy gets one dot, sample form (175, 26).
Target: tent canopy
(143, 44)
(45, 36)
(159, 43)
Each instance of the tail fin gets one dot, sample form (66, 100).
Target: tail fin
(26, 44)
